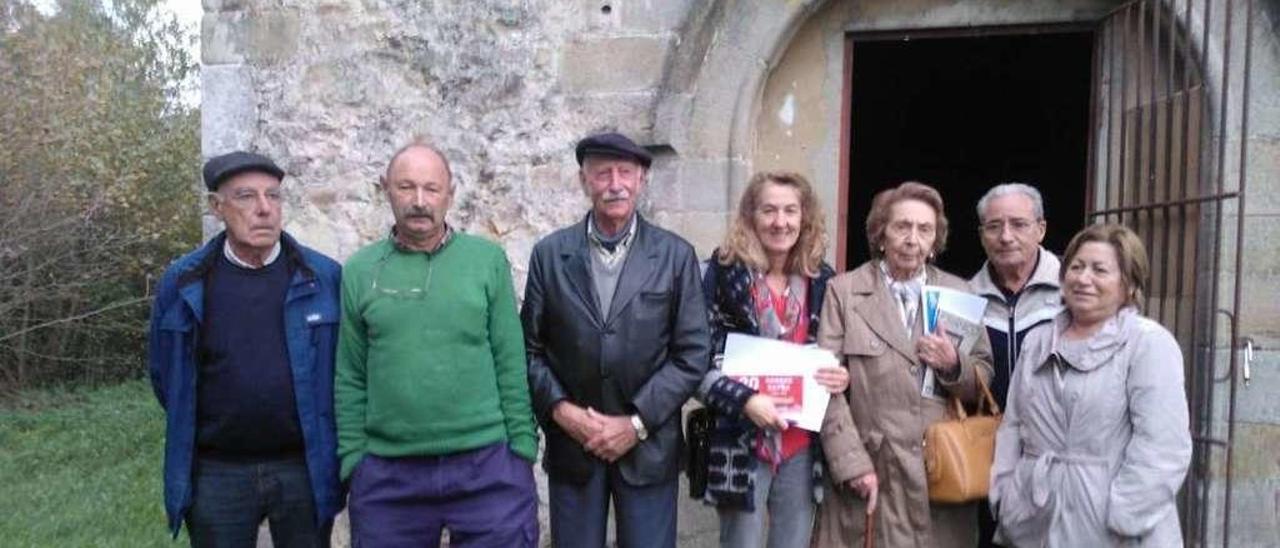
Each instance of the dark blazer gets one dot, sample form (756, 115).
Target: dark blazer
(646, 358)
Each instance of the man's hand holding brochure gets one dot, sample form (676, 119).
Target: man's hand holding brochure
(784, 371)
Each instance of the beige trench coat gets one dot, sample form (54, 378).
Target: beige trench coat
(881, 419)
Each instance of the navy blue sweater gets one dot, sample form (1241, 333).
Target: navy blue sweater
(245, 404)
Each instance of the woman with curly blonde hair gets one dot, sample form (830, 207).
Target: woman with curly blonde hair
(767, 279)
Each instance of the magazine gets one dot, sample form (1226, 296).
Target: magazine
(960, 313)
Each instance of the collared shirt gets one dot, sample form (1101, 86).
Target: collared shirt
(448, 234)
(620, 243)
(905, 292)
(231, 256)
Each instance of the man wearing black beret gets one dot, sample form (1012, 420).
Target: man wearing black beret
(617, 339)
(241, 355)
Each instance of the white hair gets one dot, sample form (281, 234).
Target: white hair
(1005, 189)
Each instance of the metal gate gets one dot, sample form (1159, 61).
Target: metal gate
(1168, 83)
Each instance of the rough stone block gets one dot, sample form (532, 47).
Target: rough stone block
(1254, 456)
(704, 185)
(222, 38)
(1256, 403)
(663, 192)
(1262, 190)
(273, 37)
(1255, 513)
(214, 6)
(634, 15)
(228, 116)
(1259, 276)
(722, 101)
(629, 113)
(633, 63)
(671, 119)
(704, 230)
(237, 36)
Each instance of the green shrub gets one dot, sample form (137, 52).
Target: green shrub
(99, 178)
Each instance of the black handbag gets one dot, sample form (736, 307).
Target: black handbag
(698, 428)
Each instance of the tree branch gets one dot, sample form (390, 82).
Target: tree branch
(77, 317)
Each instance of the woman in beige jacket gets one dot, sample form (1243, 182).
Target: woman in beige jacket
(1095, 442)
(872, 434)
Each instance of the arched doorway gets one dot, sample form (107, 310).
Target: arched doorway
(765, 86)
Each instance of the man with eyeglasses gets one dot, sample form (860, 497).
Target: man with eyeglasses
(435, 429)
(1020, 282)
(617, 336)
(241, 352)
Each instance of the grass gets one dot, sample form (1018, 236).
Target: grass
(82, 467)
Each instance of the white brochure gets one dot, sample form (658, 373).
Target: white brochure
(784, 371)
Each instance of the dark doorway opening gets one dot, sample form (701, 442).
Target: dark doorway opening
(963, 114)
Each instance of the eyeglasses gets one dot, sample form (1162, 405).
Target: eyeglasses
(247, 198)
(412, 292)
(1018, 226)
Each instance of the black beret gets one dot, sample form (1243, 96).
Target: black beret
(613, 144)
(226, 166)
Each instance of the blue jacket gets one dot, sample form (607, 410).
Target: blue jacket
(311, 321)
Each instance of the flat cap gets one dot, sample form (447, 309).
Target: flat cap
(613, 144)
(220, 168)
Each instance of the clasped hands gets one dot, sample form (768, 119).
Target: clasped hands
(608, 437)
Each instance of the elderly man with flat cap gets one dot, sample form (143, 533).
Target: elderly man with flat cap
(241, 352)
(617, 339)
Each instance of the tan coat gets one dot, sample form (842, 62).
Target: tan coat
(882, 417)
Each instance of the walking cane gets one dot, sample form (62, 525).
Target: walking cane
(869, 537)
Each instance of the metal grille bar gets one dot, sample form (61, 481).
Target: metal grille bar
(1156, 166)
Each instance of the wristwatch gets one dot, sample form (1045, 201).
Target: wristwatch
(641, 433)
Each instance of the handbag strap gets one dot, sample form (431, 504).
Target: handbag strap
(993, 408)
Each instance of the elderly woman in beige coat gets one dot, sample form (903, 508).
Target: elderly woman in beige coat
(1095, 441)
(872, 433)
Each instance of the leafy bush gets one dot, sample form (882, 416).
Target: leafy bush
(99, 179)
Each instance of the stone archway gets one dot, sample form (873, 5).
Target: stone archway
(734, 57)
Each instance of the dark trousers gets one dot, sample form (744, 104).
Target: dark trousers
(986, 525)
(645, 515)
(231, 498)
(485, 498)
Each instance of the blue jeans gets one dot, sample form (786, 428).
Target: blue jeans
(645, 516)
(231, 499)
(788, 496)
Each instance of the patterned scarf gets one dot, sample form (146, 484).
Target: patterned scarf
(772, 323)
(906, 292)
(776, 324)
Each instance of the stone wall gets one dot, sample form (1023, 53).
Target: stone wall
(331, 88)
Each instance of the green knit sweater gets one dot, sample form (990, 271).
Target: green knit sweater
(431, 357)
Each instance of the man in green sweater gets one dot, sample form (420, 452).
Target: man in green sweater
(434, 424)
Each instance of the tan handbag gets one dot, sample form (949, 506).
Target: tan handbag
(958, 451)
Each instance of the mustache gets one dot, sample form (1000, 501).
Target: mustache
(413, 211)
